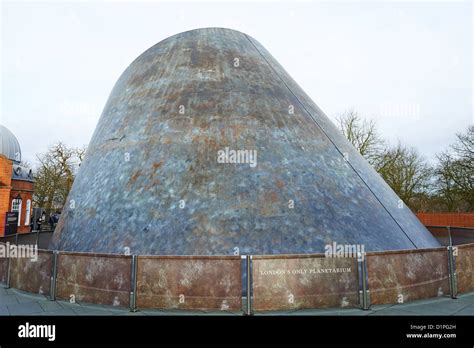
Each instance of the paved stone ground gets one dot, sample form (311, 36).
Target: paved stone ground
(15, 302)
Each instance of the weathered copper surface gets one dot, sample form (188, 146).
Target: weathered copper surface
(407, 275)
(94, 278)
(465, 268)
(292, 282)
(32, 276)
(156, 145)
(3, 268)
(189, 282)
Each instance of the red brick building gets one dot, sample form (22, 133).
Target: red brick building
(16, 183)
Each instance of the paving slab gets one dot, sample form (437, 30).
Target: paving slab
(466, 311)
(441, 308)
(50, 306)
(16, 302)
(131, 313)
(4, 310)
(62, 311)
(7, 300)
(91, 311)
(24, 308)
(392, 311)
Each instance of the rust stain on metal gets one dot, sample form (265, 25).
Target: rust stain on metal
(157, 165)
(134, 177)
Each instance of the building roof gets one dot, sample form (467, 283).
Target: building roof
(22, 173)
(180, 104)
(9, 145)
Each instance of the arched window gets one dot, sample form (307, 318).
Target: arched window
(16, 206)
(28, 213)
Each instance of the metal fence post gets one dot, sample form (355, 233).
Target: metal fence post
(133, 290)
(16, 238)
(364, 291)
(7, 285)
(54, 274)
(37, 237)
(450, 239)
(453, 286)
(249, 285)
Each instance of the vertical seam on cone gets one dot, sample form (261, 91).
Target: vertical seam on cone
(327, 136)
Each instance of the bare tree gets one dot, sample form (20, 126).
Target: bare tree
(407, 173)
(455, 173)
(362, 134)
(55, 174)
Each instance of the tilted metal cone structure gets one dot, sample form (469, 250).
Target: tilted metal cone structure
(152, 181)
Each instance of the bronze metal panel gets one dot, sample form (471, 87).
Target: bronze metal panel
(94, 278)
(465, 268)
(173, 157)
(189, 282)
(407, 275)
(310, 281)
(32, 276)
(3, 268)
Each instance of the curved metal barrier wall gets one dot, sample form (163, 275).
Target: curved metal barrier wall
(464, 263)
(277, 282)
(94, 278)
(4, 261)
(402, 276)
(189, 282)
(32, 276)
(304, 281)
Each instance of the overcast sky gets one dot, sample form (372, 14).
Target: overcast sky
(407, 65)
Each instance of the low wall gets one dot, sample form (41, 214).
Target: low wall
(189, 282)
(407, 275)
(42, 238)
(30, 275)
(452, 235)
(27, 238)
(277, 282)
(441, 234)
(304, 281)
(94, 278)
(3, 266)
(461, 235)
(11, 239)
(465, 268)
